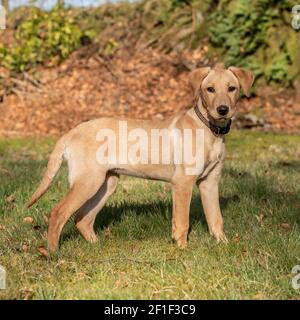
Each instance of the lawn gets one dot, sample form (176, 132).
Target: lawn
(134, 257)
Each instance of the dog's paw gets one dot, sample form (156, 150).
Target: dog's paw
(221, 238)
(180, 239)
(219, 235)
(181, 244)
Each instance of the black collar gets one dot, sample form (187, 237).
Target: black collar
(216, 130)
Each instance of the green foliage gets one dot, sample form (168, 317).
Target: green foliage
(258, 35)
(41, 37)
(255, 34)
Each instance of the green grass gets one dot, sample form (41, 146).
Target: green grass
(134, 257)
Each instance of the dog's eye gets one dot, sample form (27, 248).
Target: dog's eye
(211, 89)
(231, 88)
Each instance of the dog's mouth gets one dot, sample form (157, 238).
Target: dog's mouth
(215, 117)
(220, 121)
(220, 118)
(223, 120)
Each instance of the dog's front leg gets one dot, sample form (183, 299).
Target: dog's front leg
(209, 191)
(181, 194)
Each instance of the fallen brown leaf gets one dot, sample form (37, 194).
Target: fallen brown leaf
(27, 294)
(121, 284)
(25, 248)
(80, 275)
(285, 226)
(135, 249)
(244, 252)
(158, 89)
(43, 251)
(237, 238)
(28, 220)
(10, 199)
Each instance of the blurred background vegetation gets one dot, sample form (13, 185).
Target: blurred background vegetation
(256, 34)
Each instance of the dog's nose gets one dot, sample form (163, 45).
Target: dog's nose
(222, 110)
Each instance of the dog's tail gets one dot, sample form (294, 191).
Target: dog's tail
(54, 164)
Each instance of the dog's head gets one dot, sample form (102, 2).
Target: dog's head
(219, 89)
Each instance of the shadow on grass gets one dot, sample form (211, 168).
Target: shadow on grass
(267, 188)
(259, 188)
(288, 165)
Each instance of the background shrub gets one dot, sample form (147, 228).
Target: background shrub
(257, 34)
(40, 37)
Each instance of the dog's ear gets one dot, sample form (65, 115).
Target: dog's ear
(196, 77)
(245, 77)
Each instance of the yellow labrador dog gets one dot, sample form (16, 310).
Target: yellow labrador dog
(98, 151)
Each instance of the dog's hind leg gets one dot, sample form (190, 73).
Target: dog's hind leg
(86, 215)
(82, 189)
